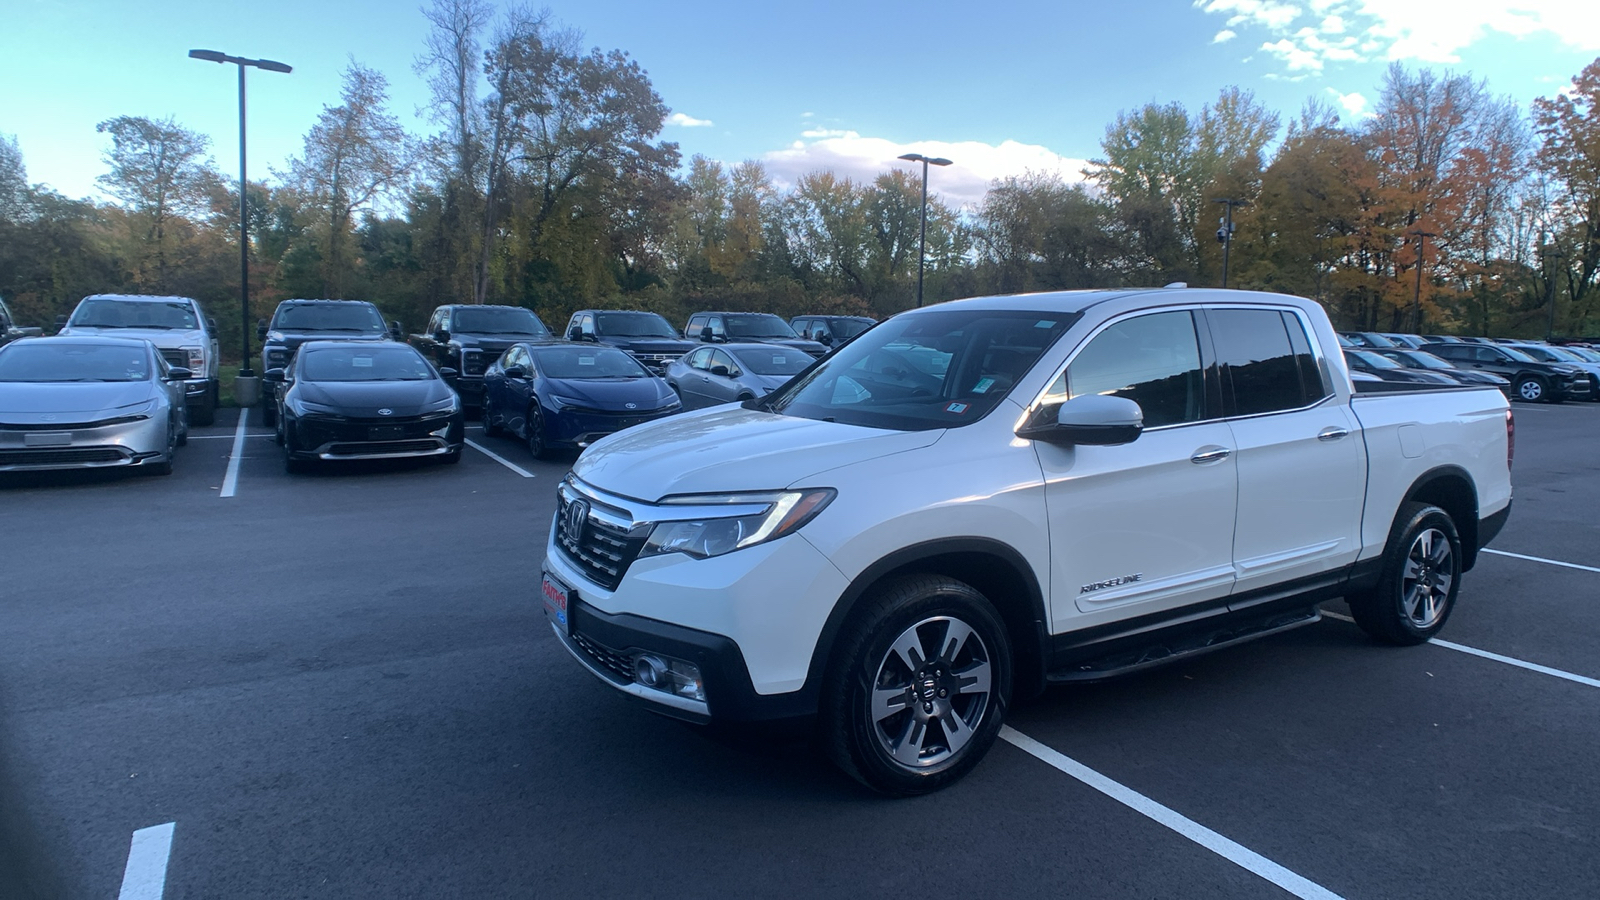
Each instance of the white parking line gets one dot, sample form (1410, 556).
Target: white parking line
(218, 437)
(1485, 654)
(498, 458)
(231, 480)
(145, 877)
(1227, 849)
(1540, 559)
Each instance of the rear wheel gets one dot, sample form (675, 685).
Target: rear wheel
(918, 685)
(1421, 576)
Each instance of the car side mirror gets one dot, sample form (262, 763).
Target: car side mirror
(442, 336)
(273, 376)
(448, 372)
(516, 372)
(179, 373)
(395, 331)
(261, 329)
(822, 337)
(1092, 419)
(720, 370)
(211, 323)
(61, 322)
(706, 334)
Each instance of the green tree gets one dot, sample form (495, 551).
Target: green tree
(162, 176)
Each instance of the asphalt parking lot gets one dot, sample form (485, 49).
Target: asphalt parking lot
(341, 685)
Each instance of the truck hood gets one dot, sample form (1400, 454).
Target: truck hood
(293, 339)
(34, 403)
(730, 448)
(648, 344)
(164, 338)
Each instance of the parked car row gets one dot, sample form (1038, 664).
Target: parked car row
(1524, 370)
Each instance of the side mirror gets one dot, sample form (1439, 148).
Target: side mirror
(823, 338)
(442, 336)
(211, 323)
(1092, 419)
(273, 376)
(395, 331)
(448, 372)
(706, 335)
(720, 370)
(179, 373)
(261, 329)
(516, 372)
(61, 322)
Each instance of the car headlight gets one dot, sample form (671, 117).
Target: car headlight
(135, 411)
(556, 401)
(776, 514)
(197, 360)
(447, 405)
(303, 408)
(275, 336)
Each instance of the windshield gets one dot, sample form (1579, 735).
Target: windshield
(377, 363)
(757, 325)
(351, 316)
(109, 313)
(586, 362)
(936, 369)
(1427, 360)
(632, 324)
(1372, 360)
(849, 328)
(773, 360)
(1583, 353)
(61, 361)
(1518, 355)
(498, 321)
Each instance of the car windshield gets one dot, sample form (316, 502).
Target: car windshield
(1373, 360)
(1518, 355)
(1583, 353)
(757, 325)
(328, 317)
(61, 361)
(501, 320)
(933, 369)
(632, 324)
(586, 362)
(1426, 360)
(772, 360)
(849, 328)
(109, 313)
(377, 363)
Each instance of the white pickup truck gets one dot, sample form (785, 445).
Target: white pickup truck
(977, 499)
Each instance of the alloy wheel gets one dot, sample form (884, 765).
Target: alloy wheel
(1426, 580)
(930, 692)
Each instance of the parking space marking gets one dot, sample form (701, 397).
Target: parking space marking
(1485, 654)
(220, 437)
(1540, 559)
(231, 480)
(1230, 850)
(498, 458)
(145, 877)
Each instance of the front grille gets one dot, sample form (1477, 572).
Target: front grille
(63, 457)
(601, 550)
(656, 361)
(176, 357)
(378, 448)
(316, 432)
(615, 663)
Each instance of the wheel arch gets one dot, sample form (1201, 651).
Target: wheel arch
(995, 569)
(1452, 489)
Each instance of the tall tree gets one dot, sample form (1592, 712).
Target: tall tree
(1569, 123)
(160, 173)
(1151, 169)
(452, 61)
(356, 153)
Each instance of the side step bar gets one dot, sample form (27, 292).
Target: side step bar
(1175, 647)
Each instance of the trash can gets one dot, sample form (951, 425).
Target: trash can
(246, 391)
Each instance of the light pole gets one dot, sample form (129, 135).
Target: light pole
(1546, 254)
(1416, 296)
(922, 240)
(244, 228)
(1225, 232)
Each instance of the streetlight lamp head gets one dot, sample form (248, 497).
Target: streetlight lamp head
(913, 157)
(272, 65)
(938, 161)
(208, 56)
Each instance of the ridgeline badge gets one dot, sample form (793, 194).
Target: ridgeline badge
(1114, 582)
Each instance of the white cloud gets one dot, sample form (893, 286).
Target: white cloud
(1428, 31)
(975, 164)
(684, 121)
(815, 133)
(1226, 34)
(1353, 103)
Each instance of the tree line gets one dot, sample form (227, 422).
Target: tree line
(547, 185)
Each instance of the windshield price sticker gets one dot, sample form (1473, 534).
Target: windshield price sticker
(779, 360)
(361, 362)
(585, 360)
(983, 385)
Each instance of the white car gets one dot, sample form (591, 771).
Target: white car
(977, 499)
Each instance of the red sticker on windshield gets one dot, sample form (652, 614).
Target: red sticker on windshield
(956, 408)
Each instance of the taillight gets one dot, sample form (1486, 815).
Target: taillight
(1511, 438)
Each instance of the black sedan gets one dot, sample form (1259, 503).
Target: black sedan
(1425, 361)
(1370, 362)
(342, 400)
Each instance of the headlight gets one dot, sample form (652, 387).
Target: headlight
(779, 513)
(197, 360)
(302, 408)
(558, 402)
(135, 411)
(275, 336)
(448, 405)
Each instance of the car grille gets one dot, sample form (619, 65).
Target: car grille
(603, 551)
(656, 361)
(176, 357)
(615, 663)
(380, 448)
(316, 432)
(62, 457)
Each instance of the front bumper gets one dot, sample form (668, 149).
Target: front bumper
(198, 389)
(34, 449)
(353, 439)
(578, 428)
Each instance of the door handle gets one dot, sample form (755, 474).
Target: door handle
(1332, 433)
(1210, 454)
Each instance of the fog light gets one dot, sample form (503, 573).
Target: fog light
(668, 675)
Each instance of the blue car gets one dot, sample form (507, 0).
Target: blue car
(569, 395)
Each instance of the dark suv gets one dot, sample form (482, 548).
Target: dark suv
(1531, 380)
(830, 330)
(469, 338)
(296, 321)
(647, 336)
(747, 328)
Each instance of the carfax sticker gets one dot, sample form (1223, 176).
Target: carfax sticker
(983, 385)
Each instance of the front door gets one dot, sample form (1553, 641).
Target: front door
(1146, 526)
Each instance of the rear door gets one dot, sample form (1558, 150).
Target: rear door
(1302, 464)
(723, 388)
(694, 384)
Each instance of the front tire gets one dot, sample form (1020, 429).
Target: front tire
(269, 411)
(490, 428)
(918, 685)
(1421, 577)
(205, 412)
(537, 446)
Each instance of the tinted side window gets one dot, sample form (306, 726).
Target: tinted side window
(1312, 387)
(700, 359)
(1488, 355)
(1257, 363)
(1153, 360)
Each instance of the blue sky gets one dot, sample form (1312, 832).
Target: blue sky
(999, 87)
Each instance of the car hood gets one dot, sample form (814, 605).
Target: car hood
(33, 404)
(768, 383)
(730, 448)
(612, 394)
(812, 347)
(363, 399)
(649, 344)
(293, 339)
(166, 339)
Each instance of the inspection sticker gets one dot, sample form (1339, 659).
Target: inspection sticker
(956, 408)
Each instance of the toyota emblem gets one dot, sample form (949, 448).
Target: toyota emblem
(385, 412)
(577, 513)
(631, 405)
